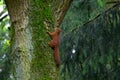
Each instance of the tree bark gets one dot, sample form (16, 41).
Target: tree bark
(61, 11)
(31, 57)
(20, 54)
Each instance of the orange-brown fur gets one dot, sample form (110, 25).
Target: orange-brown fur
(54, 44)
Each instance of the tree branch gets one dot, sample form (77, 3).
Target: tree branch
(62, 9)
(113, 2)
(3, 17)
(1, 13)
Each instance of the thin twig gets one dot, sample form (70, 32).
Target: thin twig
(3, 17)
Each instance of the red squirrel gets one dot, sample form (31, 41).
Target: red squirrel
(54, 44)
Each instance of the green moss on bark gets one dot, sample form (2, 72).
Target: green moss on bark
(43, 67)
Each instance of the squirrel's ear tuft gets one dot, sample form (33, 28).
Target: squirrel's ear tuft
(58, 30)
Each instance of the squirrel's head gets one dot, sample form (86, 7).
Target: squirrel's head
(58, 30)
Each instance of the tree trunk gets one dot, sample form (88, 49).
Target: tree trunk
(19, 41)
(31, 57)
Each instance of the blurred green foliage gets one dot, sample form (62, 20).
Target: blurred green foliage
(4, 42)
(81, 11)
(90, 45)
